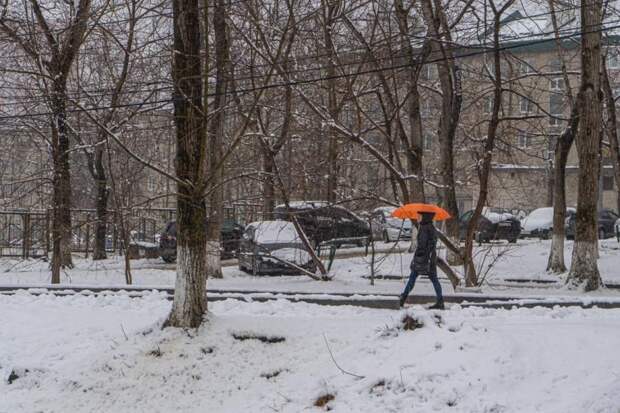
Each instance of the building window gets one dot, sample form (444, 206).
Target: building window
(428, 142)
(608, 183)
(151, 183)
(555, 65)
(613, 58)
(525, 104)
(487, 105)
(556, 108)
(523, 67)
(426, 107)
(523, 140)
(556, 84)
(428, 71)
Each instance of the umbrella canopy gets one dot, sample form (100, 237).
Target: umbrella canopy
(412, 211)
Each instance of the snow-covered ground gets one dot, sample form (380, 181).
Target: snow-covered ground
(108, 354)
(498, 262)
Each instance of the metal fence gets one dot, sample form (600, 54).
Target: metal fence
(24, 234)
(27, 233)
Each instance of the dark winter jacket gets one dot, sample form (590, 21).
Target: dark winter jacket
(425, 257)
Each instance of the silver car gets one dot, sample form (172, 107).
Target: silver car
(387, 228)
(270, 247)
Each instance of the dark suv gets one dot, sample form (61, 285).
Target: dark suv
(322, 222)
(606, 224)
(494, 224)
(231, 234)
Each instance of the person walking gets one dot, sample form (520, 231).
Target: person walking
(425, 260)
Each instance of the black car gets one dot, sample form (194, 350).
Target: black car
(231, 234)
(322, 222)
(270, 247)
(606, 224)
(494, 224)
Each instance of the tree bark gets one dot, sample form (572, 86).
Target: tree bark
(61, 182)
(584, 269)
(451, 100)
(471, 278)
(612, 129)
(329, 13)
(101, 206)
(216, 140)
(556, 264)
(190, 300)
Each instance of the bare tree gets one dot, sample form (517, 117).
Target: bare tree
(484, 165)
(612, 127)
(52, 51)
(563, 144)
(190, 301)
(584, 268)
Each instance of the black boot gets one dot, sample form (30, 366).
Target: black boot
(401, 301)
(437, 306)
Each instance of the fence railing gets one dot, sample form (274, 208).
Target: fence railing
(27, 233)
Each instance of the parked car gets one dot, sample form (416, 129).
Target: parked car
(606, 224)
(388, 228)
(266, 247)
(322, 222)
(231, 234)
(539, 223)
(494, 224)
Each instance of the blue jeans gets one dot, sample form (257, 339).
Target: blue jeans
(434, 280)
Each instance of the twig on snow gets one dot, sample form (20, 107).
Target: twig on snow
(336, 363)
(125, 334)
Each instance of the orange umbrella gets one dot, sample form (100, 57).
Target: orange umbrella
(412, 211)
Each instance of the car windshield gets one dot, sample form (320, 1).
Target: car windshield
(275, 232)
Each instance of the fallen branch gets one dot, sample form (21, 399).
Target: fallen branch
(336, 363)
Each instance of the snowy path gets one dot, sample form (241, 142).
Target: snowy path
(102, 354)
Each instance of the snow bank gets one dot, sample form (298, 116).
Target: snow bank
(108, 354)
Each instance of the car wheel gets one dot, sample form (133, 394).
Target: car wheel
(601, 233)
(169, 259)
(512, 240)
(546, 234)
(478, 238)
(386, 236)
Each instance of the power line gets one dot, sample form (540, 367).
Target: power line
(107, 92)
(334, 77)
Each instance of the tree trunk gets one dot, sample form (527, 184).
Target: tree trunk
(101, 206)
(190, 300)
(268, 183)
(216, 140)
(61, 183)
(612, 129)
(556, 263)
(414, 142)
(584, 269)
(471, 278)
(333, 169)
(450, 82)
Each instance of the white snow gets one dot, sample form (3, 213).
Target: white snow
(527, 259)
(295, 255)
(108, 353)
(273, 232)
(541, 218)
